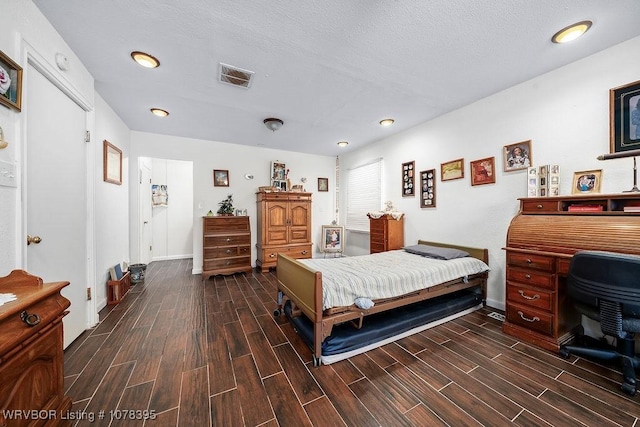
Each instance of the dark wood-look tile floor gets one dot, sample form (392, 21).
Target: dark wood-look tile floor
(188, 353)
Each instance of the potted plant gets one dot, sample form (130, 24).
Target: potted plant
(226, 206)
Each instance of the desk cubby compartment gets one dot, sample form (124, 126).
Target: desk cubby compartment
(591, 205)
(117, 289)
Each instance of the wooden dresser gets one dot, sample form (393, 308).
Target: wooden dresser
(541, 240)
(284, 226)
(226, 245)
(385, 233)
(31, 356)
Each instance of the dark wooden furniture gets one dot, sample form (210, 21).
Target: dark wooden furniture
(541, 240)
(226, 245)
(284, 226)
(385, 233)
(31, 356)
(117, 289)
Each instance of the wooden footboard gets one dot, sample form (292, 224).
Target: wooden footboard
(303, 286)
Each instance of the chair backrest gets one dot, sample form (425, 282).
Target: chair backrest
(596, 276)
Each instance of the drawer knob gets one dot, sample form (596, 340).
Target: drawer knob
(527, 276)
(521, 292)
(303, 252)
(272, 255)
(526, 319)
(529, 261)
(30, 319)
(228, 251)
(228, 239)
(539, 206)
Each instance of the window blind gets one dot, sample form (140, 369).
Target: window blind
(364, 194)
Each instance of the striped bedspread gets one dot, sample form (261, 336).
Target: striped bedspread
(385, 275)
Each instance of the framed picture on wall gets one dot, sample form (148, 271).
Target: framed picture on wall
(408, 179)
(428, 188)
(112, 163)
(517, 156)
(483, 171)
(452, 170)
(220, 178)
(10, 82)
(624, 122)
(323, 184)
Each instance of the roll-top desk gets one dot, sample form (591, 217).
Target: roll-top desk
(541, 240)
(31, 355)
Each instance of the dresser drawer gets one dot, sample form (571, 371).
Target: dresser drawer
(531, 277)
(531, 297)
(538, 262)
(297, 252)
(224, 224)
(542, 206)
(227, 240)
(214, 264)
(530, 318)
(377, 226)
(225, 252)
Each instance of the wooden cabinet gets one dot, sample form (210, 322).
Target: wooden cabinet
(226, 245)
(385, 233)
(31, 355)
(284, 226)
(541, 240)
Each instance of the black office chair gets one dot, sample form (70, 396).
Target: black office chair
(605, 286)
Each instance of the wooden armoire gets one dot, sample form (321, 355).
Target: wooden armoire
(284, 226)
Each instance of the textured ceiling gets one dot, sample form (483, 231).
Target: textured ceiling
(330, 69)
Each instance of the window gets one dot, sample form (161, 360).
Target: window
(364, 194)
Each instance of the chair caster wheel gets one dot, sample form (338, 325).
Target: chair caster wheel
(316, 361)
(564, 353)
(628, 389)
(277, 312)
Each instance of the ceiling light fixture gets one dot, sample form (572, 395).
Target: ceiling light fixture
(273, 124)
(144, 59)
(343, 143)
(160, 112)
(386, 122)
(571, 32)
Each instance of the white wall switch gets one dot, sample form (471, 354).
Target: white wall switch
(8, 176)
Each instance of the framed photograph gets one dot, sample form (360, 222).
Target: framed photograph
(332, 238)
(624, 121)
(112, 161)
(408, 179)
(323, 184)
(428, 188)
(517, 156)
(452, 170)
(220, 178)
(10, 83)
(483, 171)
(586, 182)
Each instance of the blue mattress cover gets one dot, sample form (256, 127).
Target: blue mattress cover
(379, 326)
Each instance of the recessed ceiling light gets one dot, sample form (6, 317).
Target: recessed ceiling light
(386, 122)
(571, 32)
(343, 143)
(160, 112)
(144, 59)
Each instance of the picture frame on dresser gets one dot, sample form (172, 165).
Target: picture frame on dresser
(451, 170)
(624, 121)
(408, 179)
(483, 171)
(586, 182)
(332, 239)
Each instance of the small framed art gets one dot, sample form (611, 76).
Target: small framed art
(332, 238)
(323, 184)
(408, 179)
(586, 182)
(452, 170)
(112, 160)
(10, 82)
(428, 188)
(624, 122)
(517, 156)
(220, 178)
(483, 171)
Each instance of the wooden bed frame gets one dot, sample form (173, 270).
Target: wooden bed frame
(303, 287)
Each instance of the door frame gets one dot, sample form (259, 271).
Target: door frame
(30, 55)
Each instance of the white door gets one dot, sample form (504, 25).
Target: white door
(145, 214)
(56, 195)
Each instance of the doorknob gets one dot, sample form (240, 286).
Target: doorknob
(33, 239)
(146, 222)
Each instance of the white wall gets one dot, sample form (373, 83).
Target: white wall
(172, 225)
(566, 115)
(111, 200)
(239, 160)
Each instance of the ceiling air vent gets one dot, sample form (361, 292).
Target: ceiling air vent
(235, 76)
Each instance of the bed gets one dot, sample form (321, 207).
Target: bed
(333, 325)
